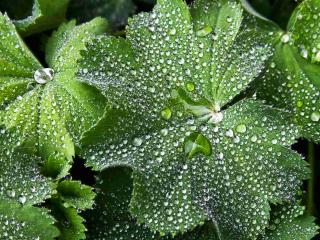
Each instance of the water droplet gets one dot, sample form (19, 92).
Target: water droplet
(299, 103)
(229, 19)
(197, 143)
(44, 75)
(22, 199)
(239, 178)
(241, 128)
(304, 53)
(215, 117)
(254, 138)
(11, 193)
(137, 142)
(315, 116)
(164, 132)
(229, 133)
(190, 86)
(166, 113)
(273, 65)
(204, 31)
(173, 31)
(285, 38)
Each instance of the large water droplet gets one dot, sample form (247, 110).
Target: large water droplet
(11, 193)
(299, 103)
(166, 113)
(197, 143)
(315, 116)
(137, 142)
(190, 86)
(44, 75)
(285, 38)
(241, 128)
(22, 199)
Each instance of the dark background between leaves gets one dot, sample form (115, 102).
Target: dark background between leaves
(276, 10)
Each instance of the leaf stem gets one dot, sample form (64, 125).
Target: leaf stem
(311, 160)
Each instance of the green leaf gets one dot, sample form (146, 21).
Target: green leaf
(74, 194)
(180, 71)
(47, 109)
(45, 15)
(305, 29)
(21, 179)
(117, 12)
(289, 222)
(63, 48)
(110, 219)
(291, 80)
(25, 222)
(69, 222)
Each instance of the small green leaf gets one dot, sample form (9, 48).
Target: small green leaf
(45, 15)
(69, 222)
(20, 222)
(74, 194)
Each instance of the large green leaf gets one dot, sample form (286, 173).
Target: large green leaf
(196, 151)
(292, 79)
(25, 222)
(48, 117)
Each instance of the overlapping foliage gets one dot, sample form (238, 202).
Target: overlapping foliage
(165, 116)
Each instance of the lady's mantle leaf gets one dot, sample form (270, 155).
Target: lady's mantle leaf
(305, 29)
(179, 73)
(20, 176)
(110, 219)
(63, 49)
(48, 109)
(25, 222)
(292, 80)
(74, 194)
(45, 15)
(288, 222)
(69, 222)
